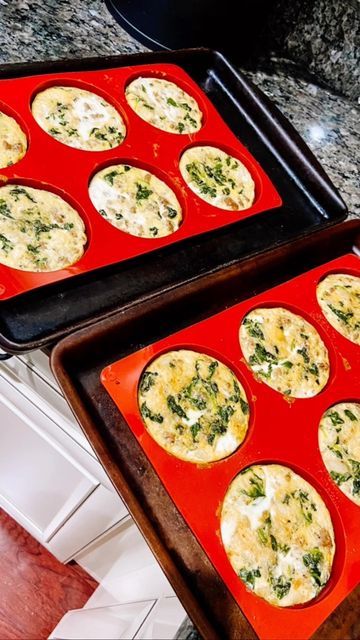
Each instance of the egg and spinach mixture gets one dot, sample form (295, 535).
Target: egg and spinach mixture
(339, 442)
(39, 231)
(285, 351)
(339, 298)
(13, 142)
(277, 534)
(193, 406)
(164, 105)
(78, 118)
(135, 201)
(217, 178)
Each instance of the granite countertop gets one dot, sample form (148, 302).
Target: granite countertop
(52, 29)
(33, 30)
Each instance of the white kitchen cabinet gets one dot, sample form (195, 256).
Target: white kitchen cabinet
(31, 375)
(50, 482)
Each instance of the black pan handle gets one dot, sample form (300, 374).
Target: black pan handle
(5, 356)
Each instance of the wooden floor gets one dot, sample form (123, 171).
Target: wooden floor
(35, 589)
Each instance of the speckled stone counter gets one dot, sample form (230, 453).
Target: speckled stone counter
(321, 36)
(49, 29)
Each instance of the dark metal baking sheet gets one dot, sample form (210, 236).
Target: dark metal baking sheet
(77, 362)
(310, 201)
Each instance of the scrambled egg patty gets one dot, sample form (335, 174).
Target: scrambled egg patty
(78, 118)
(277, 534)
(217, 178)
(339, 298)
(39, 231)
(285, 351)
(135, 201)
(339, 442)
(164, 105)
(193, 406)
(13, 142)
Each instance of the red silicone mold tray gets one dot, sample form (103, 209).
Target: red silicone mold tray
(52, 165)
(280, 430)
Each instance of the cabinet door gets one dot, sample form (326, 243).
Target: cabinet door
(48, 483)
(40, 483)
(44, 394)
(101, 511)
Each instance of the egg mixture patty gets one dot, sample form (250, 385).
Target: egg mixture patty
(217, 178)
(278, 534)
(78, 118)
(39, 231)
(164, 105)
(339, 298)
(339, 442)
(135, 201)
(193, 406)
(13, 142)
(285, 351)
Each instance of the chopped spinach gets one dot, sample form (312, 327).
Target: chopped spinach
(356, 486)
(281, 586)
(6, 244)
(257, 487)
(190, 119)
(263, 535)
(248, 576)
(339, 478)
(109, 177)
(175, 407)
(350, 415)
(196, 170)
(195, 428)
(335, 418)
(303, 352)
(226, 412)
(261, 355)
(342, 315)
(212, 367)
(147, 381)
(336, 448)
(216, 428)
(40, 227)
(306, 506)
(253, 328)
(33, 249)
(274, 544)
(235, 397)
(180, 127)
(172, 102)
(244, 406)
(147, 413)
(142, 192)
(311, 561)
(172, 213)
(20, 191)
(4, 210)
(355, 465)
(287, 364)
(313, 369)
